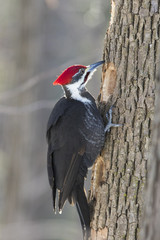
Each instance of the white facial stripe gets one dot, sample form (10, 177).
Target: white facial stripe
(91, 74)
(88, 78)
(74, 89)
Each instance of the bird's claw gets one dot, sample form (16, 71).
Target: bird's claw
(109, 118)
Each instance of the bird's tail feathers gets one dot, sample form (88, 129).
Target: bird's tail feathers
(83, 211)
(54, 197)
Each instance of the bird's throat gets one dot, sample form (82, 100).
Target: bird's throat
(72, 92)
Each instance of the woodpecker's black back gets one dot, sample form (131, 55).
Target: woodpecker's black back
(75, 134)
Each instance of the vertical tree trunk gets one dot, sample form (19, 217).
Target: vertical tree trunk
(19, 135)
(119, 175)
(151, 230)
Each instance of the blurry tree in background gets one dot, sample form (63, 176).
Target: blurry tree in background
(119, 175)
(38, 40)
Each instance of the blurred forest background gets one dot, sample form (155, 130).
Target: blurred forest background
(39, 39)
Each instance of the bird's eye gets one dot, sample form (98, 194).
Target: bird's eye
(81, 70)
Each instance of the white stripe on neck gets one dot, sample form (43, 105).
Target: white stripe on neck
(75, 94)
(75, 89)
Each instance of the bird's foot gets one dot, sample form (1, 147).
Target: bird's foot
(109, 118)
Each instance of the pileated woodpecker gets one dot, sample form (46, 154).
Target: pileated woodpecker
(75, 135)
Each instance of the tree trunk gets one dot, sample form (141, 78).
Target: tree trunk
(151, 229)
(119, 175)
(21, 134)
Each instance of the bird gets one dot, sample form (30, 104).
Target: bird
(75, 137)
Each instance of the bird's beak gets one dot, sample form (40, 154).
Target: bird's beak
(93, 66)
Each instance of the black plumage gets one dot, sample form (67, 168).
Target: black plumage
(75, 135)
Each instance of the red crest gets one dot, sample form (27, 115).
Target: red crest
(66, 76)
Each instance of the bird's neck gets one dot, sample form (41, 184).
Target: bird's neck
(76, 94)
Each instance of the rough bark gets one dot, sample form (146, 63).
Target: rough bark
(151, 229)
(119, 175)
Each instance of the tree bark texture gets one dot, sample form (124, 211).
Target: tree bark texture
(151, 226)
(119, 175)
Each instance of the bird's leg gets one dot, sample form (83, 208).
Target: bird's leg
(109, 118)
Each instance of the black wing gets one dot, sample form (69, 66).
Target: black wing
(65, 147)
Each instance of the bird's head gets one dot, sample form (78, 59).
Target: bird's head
(77, 76)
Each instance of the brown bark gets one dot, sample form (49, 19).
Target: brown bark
(117, 192)
(151, 229)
